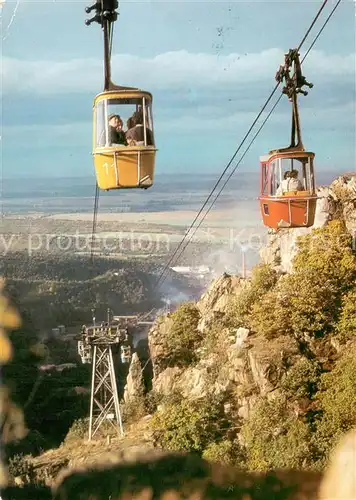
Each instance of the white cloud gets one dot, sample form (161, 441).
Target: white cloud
(331, 118)
(168, 71)
(48, 136)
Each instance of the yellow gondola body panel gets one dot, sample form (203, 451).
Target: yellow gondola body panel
(123, 166)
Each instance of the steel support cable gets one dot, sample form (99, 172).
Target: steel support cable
(217, 183)
(95, 214)
(321, 30)
(237, 151)
(230, 175)
(97, 191)
(93, 232)
(312, 24)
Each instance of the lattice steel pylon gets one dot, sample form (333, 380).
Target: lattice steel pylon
(95, 345)
(104, 399)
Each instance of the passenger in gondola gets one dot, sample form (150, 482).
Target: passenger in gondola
(135, 134)
(130, 124)
(294, 176)
(290, 183)
(117, 136)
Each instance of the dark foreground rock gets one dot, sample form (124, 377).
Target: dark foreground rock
(178, 476)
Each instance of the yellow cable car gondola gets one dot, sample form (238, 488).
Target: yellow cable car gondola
(122, 159)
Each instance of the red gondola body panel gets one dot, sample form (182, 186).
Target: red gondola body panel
(288, 213)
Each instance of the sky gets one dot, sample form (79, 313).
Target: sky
(210, 66)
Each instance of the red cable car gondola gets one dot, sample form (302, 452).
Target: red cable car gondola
(287, 191)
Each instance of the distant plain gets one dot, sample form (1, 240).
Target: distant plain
(139, 222)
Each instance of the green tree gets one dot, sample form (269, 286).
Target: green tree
(270, 315)
(307, 302)
(183, 338)
(325, 269)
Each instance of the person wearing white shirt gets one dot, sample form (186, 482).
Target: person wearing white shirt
(289, 183)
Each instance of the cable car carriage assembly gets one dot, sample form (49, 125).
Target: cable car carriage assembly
(122, 160)
(287, 191)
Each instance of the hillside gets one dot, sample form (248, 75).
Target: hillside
(259, 374)
(276, 351)
(62, 289)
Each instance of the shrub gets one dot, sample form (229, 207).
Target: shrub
(78, 430)
(20, 465)
(270, 316)
(134, 409)
(327, 250)
(263, 279)
(225, 452)
(346, 327)
(344, 195)
(183, 338)
(189, 425)
(336, 399)
(152, 400)
(275, 438)
(325, 269)
(216, 340)
(302, 379)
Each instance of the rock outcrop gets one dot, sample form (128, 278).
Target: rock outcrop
(251, 367)
(214, 302)
(135, 386)
(251, 364)
(156, 345)
(212, 305)
(334, 201)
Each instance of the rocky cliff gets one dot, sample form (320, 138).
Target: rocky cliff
(249, 361)
(250, 366)
(273, 339)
